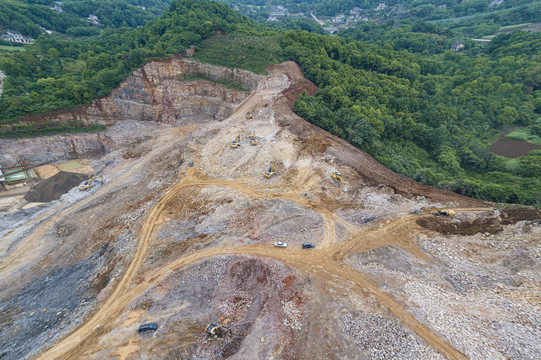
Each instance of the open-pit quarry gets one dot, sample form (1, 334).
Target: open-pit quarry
(180, 231)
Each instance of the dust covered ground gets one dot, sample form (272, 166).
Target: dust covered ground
(162, 241)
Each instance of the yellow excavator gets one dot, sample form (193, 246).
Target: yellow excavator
(216, 331)
(235, 143)
(337, 176)
(442, 212)
(89, 183)
(250, 114)
(269, 173)
(253, 141)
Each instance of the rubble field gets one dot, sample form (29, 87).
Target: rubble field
(181, 231)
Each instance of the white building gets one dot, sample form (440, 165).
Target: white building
(93, 19)
(14, 36)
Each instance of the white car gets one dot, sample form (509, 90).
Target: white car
(280, 244)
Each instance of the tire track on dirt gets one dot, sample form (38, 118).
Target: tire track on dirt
(17, 256)
(319, 263)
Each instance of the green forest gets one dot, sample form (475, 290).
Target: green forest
(398, 93)
(26, 16)
(473, 18)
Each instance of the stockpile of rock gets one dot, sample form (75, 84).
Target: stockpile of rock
(382, 338)
(54, 187)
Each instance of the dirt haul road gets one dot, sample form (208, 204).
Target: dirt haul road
(25, 251)
(223, 208)
(319, 264)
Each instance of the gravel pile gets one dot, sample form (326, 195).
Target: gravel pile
(293, 316)
(383, 338)
(481, 294)
(54, 187)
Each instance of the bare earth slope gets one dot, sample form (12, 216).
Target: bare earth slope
(182, 246)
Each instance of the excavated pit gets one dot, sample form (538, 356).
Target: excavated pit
(490, 222)
(162, 241)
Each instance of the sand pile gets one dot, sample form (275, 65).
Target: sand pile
(53, 187)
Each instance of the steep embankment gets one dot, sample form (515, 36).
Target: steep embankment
(167, 91)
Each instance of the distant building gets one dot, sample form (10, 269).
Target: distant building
(278, 11)
(340, 18)
(380, 7)
(442, 6)
(14, 36)
(57, 9)
(457, 46)
(93, 19)
(272, 18)
(496, 3)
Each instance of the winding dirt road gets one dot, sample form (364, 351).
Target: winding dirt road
(328, 263)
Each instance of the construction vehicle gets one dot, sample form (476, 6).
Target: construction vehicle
(269, 173)
(236, 143)
(250, 114)
(440, 212)
(446, 212)
(337, 176)
(253, 141)
(216, 331)
(89, 183)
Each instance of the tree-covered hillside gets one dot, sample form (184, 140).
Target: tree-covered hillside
(69, 17)
(56, 73)
(399, 94)
(429, 117)
(473, 17)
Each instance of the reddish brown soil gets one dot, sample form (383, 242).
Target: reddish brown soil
(511, 216)
(288, 281)
(490, 223)
(512, 148)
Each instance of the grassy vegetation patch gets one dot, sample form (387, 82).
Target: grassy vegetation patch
(245, 51)
(531, 134)
(514, 26)
(48, 128)
(11, 48)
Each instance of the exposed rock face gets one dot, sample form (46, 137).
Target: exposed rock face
(52, 148)
(157, 92)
